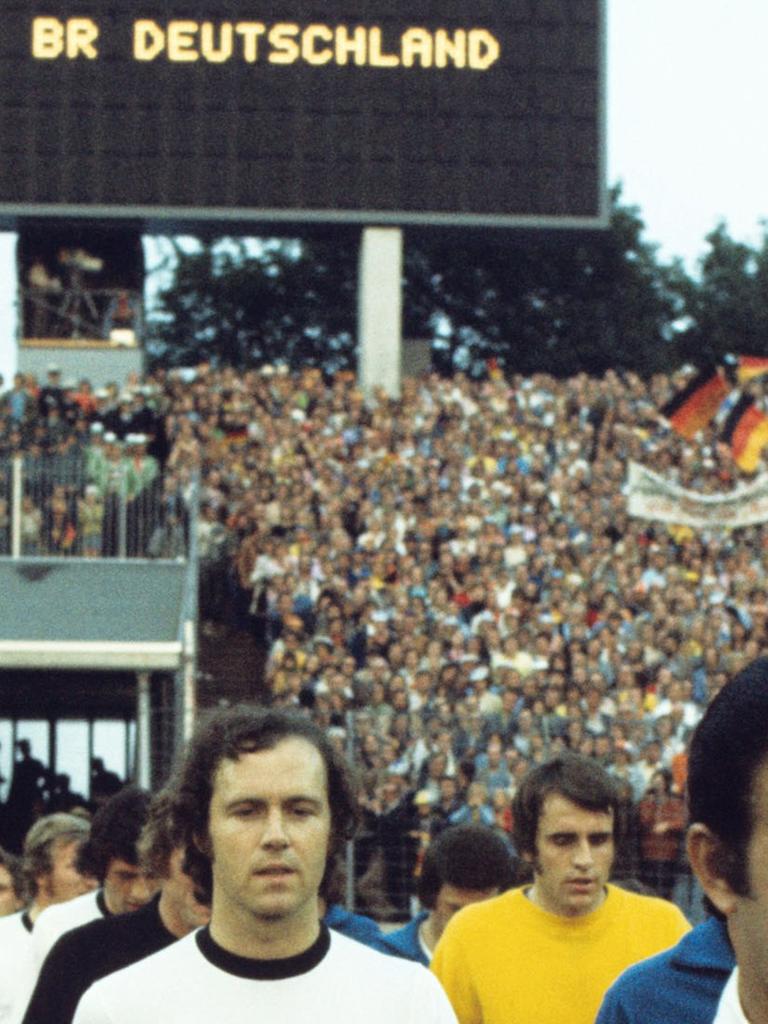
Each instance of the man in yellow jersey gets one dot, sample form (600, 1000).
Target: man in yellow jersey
(546, 953)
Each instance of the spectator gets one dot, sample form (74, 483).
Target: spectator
(475, 810)
(465, 864)
(662, 821)
(90, 517)
(31, 527)
(27, 795)
(491, 768)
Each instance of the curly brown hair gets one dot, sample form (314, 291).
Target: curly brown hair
(159, 837)
(244, 729)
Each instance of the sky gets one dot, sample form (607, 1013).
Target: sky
(687, 87)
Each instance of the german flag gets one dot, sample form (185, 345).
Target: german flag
(749, 367)
(691, 409)
(236, 436)
(745, 431)
(494, 371)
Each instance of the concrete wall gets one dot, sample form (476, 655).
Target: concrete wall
(100, 365)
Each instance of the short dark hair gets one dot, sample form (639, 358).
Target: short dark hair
(728, 747)
(245, 729)
(579, 779)
(47, 834)
(115, 832)
(469, 857)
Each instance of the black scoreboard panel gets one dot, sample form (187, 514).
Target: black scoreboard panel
(480, 111)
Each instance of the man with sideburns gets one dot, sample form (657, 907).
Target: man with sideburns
(546, 953)
(264, 804)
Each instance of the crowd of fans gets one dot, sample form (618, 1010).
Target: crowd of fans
(91, 470)
(450, 580)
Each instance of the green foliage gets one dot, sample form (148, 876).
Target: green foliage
(538, 301)
(561, 304)
(728, 304)
(243, 305)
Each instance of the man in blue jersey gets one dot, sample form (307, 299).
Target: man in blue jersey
(462, 865)
(695, 982)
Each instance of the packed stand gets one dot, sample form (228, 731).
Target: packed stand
(452, 584)
(92, 480)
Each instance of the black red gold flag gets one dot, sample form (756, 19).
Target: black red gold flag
(745, 431)
(748, 367)
(692, 408)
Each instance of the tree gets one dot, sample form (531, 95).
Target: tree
(544, 301)
(728, 304)
(242, 304)
(559, 303)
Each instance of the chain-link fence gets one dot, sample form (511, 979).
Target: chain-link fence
(403, 806)
(409, 792)
(68, 504)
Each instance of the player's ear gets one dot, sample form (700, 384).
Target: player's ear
(711, 861)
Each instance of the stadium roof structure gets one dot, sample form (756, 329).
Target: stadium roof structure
(89, 614)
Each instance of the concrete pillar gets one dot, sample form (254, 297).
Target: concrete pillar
(17, 490)
(189, 677)
(143, 735)
(380, 310)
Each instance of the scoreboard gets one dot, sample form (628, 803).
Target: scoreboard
(489, 112)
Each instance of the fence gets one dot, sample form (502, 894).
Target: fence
(106, 314)
(403, 808)
(384, 859)
(52, 505)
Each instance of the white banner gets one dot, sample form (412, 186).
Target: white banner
(650, 496)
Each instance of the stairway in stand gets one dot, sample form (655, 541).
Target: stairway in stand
(230, 665)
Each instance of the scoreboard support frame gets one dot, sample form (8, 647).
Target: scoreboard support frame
(380, 305)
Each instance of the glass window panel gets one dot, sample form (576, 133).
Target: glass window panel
(36, 731)
(109, 744)
(72, 753)
(6, 756)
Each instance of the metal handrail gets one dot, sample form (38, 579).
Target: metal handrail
(107, 314)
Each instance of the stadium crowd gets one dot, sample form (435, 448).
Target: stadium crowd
(450, 580)
(89, 459)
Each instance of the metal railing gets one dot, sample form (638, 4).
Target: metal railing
(102, 314)
(53, 506)
(384, 860)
